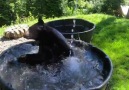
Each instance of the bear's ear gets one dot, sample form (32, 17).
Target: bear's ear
(40, 21)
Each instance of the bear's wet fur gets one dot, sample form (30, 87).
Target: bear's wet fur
(53, 46)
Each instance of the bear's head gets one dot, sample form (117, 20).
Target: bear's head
(34, 30)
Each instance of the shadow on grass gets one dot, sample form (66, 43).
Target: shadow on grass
(111, 29)
(104, 23)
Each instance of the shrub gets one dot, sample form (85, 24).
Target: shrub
(7, 15)
(112, 6)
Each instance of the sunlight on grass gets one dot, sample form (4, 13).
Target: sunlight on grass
(122, 85)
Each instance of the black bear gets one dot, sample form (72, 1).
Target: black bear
(53, 46)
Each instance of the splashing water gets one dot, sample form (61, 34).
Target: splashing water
(72, 30)
(80, 72)
(74, 23)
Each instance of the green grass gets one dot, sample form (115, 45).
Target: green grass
(112, 36)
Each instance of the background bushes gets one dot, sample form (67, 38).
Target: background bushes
(6, 13)
(111, 7)
(12, 11)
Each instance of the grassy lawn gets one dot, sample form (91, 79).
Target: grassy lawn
(112, 36)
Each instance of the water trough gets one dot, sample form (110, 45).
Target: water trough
(91, 69)
(74, 28)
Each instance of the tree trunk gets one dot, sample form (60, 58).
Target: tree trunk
(127, 16)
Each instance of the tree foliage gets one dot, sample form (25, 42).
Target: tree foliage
(6, 13)
(112, 6)
(11, 10)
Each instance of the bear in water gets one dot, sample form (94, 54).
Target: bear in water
(53, 46)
